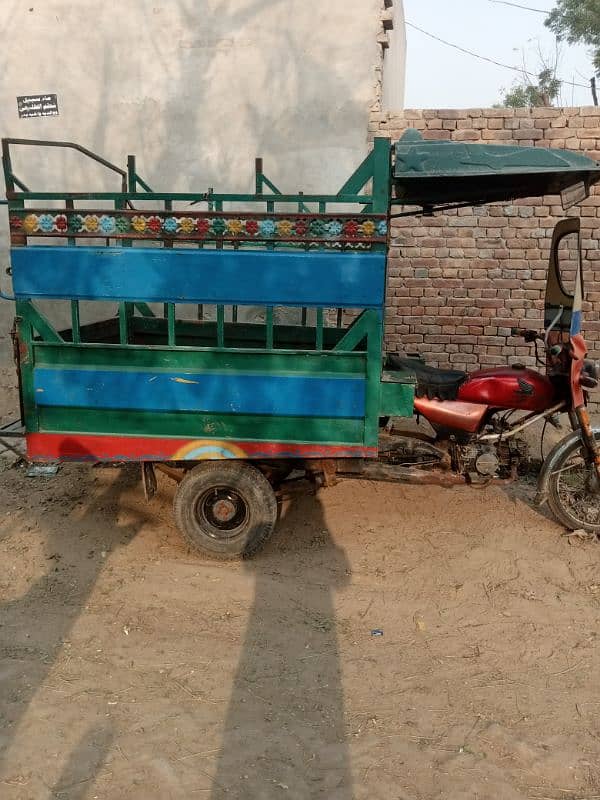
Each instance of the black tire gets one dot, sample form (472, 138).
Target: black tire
(559, 490)
(225, 509)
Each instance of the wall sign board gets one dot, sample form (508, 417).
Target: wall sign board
(37, 105)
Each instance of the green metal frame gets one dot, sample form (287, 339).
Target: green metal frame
(140, 339)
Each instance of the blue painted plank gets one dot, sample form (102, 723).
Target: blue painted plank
(203, 392)
(252, 277)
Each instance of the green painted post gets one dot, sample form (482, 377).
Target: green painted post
(25, 343)
(70, 205)
(75, 327)
(171, 339)
(319, 340)
(361, 176)
(38, 321)
(382, 175)
(258, 175)
(131, 174)
(220, 326)
(373, 392)
(168, 243)
(123, 337)
(120, 205)
(144, 309)
(269, 325)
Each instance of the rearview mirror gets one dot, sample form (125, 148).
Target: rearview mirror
(574, 194)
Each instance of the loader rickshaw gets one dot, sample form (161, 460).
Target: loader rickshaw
(236, 350)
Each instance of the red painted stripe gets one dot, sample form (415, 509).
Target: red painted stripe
(82, 447)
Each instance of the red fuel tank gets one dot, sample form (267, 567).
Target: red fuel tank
(508, 387)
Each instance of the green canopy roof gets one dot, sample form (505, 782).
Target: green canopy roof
(430, 173)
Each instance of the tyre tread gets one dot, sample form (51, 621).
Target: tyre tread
(202, 472)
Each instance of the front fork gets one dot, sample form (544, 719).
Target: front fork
(581, 418)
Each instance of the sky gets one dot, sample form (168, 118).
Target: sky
(438, 76)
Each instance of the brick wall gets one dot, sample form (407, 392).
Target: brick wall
(459, 281)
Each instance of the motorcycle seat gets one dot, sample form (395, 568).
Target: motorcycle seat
(432, 382)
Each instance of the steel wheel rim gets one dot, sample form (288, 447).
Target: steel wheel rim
(574, 493)
(222, 512)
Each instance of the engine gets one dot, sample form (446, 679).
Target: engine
(480, 460)
(502, 459)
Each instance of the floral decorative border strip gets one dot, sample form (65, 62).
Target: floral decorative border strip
(203, 227)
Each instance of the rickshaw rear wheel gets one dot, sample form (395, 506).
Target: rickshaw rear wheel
(225, 509)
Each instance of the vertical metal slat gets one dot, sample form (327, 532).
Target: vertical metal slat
(168, 243)
(123, 337)
(75, 328)
(220, 326)
(219, 208)
(270, 210)
(319, 340)
(70, 205)
(171, 324)
(269, 325)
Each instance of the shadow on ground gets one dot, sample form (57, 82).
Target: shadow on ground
(284, 729)
(35, 626)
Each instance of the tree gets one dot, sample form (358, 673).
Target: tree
(526, 94)
(578, 21)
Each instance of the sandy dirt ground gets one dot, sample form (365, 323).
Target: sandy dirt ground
(132, 668)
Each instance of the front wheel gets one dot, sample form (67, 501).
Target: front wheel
(573, 491)
(225, 509)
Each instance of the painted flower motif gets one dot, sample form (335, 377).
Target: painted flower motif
(285, 228)
(154, 224)
(202, 226)
(122, 224)
(139, 224)
(301, 227)
(60, 222)
(317, 227)
(170, 225)
(267, 227)
(219, 226)
(30, 223)
(334, 228)
(351, 228)
(251, 227)
(16, 223)
(235, 227)
(382, 227)
(187, 225)
(75, 223)
(46, 223)
(91, 223)
(107, 224)
(368, 228)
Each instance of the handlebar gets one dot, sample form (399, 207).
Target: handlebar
(528, 335)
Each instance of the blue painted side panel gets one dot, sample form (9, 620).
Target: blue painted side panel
(251, 277)
(204, 392)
